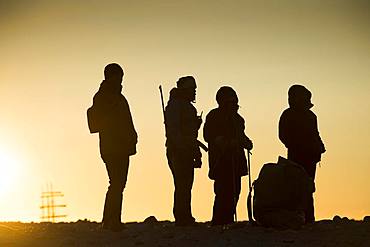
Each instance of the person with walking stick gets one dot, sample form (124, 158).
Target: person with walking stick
(224, 131)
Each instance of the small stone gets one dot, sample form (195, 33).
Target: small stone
(345, 220)
(337, 219)
(366, 219)
(151, 220)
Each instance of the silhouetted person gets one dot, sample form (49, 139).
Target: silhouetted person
(183, 154)
(299, 132)
(118, 140)
(224, 131)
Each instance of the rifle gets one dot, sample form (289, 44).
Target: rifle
(200, 144)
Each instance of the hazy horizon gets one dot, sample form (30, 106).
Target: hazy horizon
(52, 60)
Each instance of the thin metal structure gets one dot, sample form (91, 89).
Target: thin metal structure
(48, 206)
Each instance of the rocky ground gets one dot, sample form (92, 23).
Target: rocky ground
(337, 232)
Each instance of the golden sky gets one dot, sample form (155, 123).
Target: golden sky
(52, 55)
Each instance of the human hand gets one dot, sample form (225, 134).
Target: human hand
(199, 120)
(248, 144)
(197, 158)
(197, 163)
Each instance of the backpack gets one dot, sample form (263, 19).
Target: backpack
(92, 120)
(280, 194)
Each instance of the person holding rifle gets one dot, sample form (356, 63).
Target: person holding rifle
(224, 131)
(183, 152)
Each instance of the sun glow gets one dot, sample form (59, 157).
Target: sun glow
(9, 170)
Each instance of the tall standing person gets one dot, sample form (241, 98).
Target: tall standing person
(224, 130)
(110, 116)
(183, 153)
(298, 131)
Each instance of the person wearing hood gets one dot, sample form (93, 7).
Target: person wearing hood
(183, 153)
(298, 131)
(111, 118)
(224, 131)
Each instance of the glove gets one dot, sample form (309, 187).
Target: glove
(197, 163)
(199, 121)
(248, 144)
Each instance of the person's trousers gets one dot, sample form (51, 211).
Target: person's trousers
(310, 167)
(227, 190)
(117, 168)
(310, 209)
(182, 169)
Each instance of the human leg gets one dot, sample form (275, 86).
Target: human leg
(117, 169)
(227, 193)
(183, 175)
(310, 206)
(310, 167)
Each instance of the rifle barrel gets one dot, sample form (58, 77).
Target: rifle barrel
(162, 101)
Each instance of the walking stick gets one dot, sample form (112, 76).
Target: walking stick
(234, 187)
(233, 163)
(249, 198)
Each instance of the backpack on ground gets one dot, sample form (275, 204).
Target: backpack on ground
(280, 194)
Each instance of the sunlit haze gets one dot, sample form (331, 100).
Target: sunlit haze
(52, 58)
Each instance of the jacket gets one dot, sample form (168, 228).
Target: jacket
(299, 133)
(117, 134)
(225, 157)
(182, 126)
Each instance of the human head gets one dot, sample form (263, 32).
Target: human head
(113, 72)
(227, 99)
(187, 88)
(299, 97)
